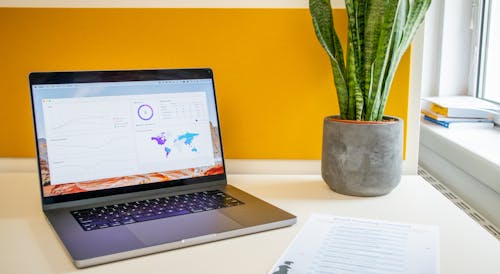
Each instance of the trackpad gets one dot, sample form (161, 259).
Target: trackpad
(182, 227)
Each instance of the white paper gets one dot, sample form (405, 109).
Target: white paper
(333, 244)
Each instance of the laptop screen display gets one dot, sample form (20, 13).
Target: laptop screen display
(93, 136)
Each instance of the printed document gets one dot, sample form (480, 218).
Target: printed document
(333, 244)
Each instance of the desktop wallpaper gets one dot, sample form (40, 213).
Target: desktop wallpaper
(154, 177)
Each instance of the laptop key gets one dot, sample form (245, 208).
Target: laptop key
(129, 221)
(103, 226)
(164, 215)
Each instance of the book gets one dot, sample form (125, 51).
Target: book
(461, 124)
(461, 106)
(441, 117)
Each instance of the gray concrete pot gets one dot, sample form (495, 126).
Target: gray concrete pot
(362, 158)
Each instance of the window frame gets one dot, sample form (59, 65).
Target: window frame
(480, 43)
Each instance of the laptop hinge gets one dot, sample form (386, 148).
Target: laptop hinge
(136, 195)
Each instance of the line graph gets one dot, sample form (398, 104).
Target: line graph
(89, 157)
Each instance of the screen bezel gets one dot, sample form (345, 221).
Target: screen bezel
(70, 77)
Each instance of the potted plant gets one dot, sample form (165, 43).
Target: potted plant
(362, 148)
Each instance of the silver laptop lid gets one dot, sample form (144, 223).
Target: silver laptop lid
(102, 133)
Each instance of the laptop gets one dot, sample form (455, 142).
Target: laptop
(131, 163)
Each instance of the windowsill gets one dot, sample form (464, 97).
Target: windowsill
(467, 161)
(476, 151)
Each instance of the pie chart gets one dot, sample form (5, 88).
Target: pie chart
(145, 112)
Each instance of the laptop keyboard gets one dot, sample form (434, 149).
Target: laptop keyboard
(152, 209)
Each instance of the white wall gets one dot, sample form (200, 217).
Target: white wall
(430, 40)
(447, 48)
(455, 47)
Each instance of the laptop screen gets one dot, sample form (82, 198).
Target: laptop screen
(102, 131)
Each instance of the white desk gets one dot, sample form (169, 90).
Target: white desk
(28, 244)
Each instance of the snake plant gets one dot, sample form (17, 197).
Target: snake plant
(379, 33)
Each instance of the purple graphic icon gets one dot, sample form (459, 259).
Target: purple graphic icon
(145, 112)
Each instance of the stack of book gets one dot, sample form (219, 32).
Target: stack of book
(459, 112)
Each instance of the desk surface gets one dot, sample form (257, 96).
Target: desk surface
(29, 245)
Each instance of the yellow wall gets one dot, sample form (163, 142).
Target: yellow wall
(273, 80)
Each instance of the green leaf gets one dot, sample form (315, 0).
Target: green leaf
(354, 59)
(387, 11)
(322, 16)
(373, 15)
(416, 10)
(355, 94)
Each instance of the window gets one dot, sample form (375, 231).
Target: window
(488, 82)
